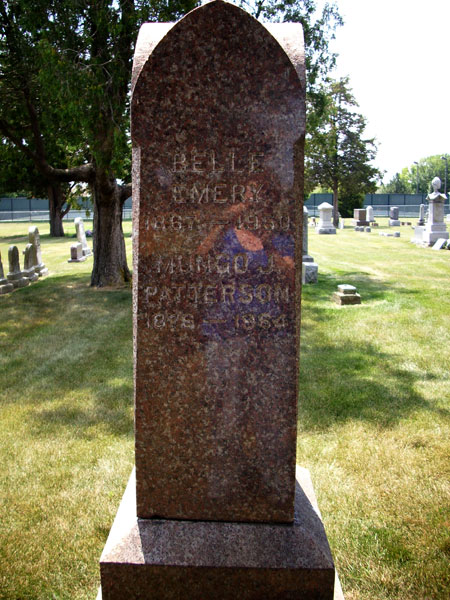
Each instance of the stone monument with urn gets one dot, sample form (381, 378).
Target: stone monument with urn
(214, 510)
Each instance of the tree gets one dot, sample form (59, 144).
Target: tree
(64, 91)
(417, 178)
(337, 155)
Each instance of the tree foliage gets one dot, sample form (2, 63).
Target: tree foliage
(417, 177)
(337, 155)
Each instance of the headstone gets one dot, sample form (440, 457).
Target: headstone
(325, 219)
(439, 244)
(218, 119)
(346, 294)
(81, 236)
(341, 224)
(5, 285)
(435, 227)
(310, 269)
(359, 217)
(396, 233)
(35, 240)
(393, 217)
(418, 234)
(367, 229)
(369, 214)
(28, 267)
(76, 253)
(15, 275)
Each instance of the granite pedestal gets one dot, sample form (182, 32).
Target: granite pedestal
(209, 560)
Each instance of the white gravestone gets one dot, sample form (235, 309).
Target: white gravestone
(325, 219)
(5, 285)
(369, 213)
(15, 275)
(81, 236)
(76, 253)
(435, 227)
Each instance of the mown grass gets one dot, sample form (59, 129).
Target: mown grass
(373, 417)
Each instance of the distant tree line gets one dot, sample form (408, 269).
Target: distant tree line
(416, 179)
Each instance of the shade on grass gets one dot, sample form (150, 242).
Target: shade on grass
(373, 417)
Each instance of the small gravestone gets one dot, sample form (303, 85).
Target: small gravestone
(325, 225)
(81, 236)
(359, 217)
(393, 217)
(341, 223)
(218, 121)
(367, 229)
(5, 285)
(310, 269)
(28, 267)
(35, 240)
(439, 244)
(76, 253)
(16, 275)
(421, 220)
(369, 215)
(435, 227)
(346, 294)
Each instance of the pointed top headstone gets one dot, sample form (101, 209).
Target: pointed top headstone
(218, 123)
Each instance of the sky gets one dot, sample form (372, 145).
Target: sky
(397, 55)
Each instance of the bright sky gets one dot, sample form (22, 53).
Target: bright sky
(397, 55)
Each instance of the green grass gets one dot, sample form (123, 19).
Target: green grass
(373, 417)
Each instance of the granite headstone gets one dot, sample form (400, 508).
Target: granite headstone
(218, 123)
(29, 269)
(325, 225)
(310, 269)
(393, 217)
(435, 227)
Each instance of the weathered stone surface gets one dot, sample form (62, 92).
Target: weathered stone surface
(369, 214)
(28, 267)
(439, 244)
(35, 239)
(310, 272)
(435, 227)
(344, 299)
(346, 288)
(359, 217)
(81, 237)
(5, 286)
(166, 559)
(15, 275)
(325, 225)
(217, 126)
(76, 253)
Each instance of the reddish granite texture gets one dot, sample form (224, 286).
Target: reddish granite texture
(218, 124)
(203, 560)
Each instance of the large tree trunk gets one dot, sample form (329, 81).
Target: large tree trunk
(56, 200)
(110, 260)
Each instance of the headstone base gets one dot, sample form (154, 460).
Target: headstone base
(41, 270)
(343, 299)
(394, 223)
(211, 560)
(359, 223)
(329, 230)
(18, 280)
(430, 237)
(310, 272)
(5, 286)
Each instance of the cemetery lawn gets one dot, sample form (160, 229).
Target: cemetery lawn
(374, 423)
